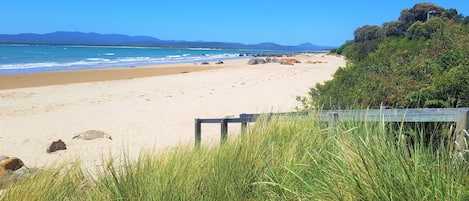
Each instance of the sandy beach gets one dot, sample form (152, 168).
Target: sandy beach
(143, 107)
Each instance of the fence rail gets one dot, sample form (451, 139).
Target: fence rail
(458, 115)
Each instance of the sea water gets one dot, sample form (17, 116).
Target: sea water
(16, 59)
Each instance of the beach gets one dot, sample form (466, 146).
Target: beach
(143, 108)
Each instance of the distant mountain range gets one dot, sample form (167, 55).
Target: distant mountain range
(80, 38)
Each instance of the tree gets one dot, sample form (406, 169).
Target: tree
(395, 29)
(425, 29)
(420, 12)
(368, 33)
(452, 14)
(421, 60)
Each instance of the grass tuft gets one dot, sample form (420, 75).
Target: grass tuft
(278, 159)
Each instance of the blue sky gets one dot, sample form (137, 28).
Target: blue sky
(325, 22)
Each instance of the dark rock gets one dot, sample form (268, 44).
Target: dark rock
(255, 61)
(205, 63)
(57, 145)
(220, 62)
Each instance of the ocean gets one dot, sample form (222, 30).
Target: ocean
(16, 59)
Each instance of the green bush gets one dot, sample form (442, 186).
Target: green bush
(424, 65)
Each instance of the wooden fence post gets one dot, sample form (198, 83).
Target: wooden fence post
(461, 132)
(244, 123)
(466, 120)
(224, 130)
(332, 122)
(198, 131)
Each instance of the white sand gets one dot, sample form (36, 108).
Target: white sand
(152, 112)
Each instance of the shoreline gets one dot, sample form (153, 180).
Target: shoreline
(38, 79)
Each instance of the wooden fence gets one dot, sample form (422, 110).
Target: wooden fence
(458, 115)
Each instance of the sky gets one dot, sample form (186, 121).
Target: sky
(292, 22)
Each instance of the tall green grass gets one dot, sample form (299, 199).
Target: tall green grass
(278, 159)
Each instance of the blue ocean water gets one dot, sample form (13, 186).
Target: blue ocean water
(16, 59)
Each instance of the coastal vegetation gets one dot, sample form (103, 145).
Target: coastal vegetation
(419, 60)
(278, 159)
(416, 61)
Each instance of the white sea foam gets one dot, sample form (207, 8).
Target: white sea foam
(97, 59)
(97, 62)
(28, 65)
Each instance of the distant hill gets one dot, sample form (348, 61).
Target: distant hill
(80, 38)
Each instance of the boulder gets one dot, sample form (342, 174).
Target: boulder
(289, 61)
(56, 146)
(11, 169)
(255, 61)
(220, 62)
(8, 166)
(286, 62)
(275, 60)
(11, 163)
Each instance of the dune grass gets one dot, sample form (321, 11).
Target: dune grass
(279, 159)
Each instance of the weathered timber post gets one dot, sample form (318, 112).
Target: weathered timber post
(198, 131)
(224, 130)
(461, 132)
(244, 123)
(465, 118)
(332, 122)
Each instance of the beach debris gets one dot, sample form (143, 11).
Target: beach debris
(220, 62)
(7, 167)
(56, 146)
(255, 61)
(92, 134)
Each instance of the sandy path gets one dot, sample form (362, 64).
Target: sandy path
(152, 112)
